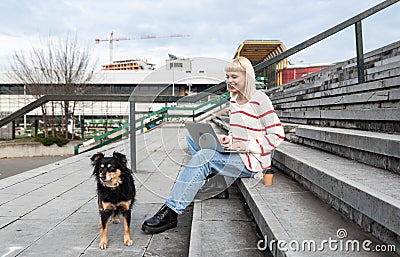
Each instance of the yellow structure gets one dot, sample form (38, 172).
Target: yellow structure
(260, 50)
(129, 65)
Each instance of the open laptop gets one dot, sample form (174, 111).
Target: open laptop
(204, 136)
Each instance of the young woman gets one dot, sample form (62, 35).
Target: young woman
(254, 127)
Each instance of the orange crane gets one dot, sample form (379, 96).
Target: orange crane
(111, 39)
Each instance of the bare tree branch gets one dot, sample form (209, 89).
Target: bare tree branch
(60, 66)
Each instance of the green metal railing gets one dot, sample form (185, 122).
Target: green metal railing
(103, 140)
(152, 120)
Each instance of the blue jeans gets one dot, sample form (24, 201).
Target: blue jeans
(204, 162)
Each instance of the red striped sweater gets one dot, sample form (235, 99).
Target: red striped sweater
(258, 127)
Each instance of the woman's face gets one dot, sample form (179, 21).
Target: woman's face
(236, 81)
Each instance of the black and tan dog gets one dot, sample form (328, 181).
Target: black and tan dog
(115, 192)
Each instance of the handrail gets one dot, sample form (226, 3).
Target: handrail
(356, 20)
(160, 111)
(224, 95)
(100, 139)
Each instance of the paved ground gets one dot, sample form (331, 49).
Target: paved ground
(52, 210)
(13, 166)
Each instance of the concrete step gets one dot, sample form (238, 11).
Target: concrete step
(367, 195)
(295, 222)
(342, 183)
(224, 228)
(333, 97)
(377, 149)
(381, 63)
(323, 91)
(366, 93)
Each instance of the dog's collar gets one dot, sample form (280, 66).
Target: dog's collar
(112, 187)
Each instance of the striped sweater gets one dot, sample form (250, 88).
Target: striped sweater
(258, 127)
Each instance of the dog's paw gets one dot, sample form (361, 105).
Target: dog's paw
(128, 242)
(115, 220)
(103, 244)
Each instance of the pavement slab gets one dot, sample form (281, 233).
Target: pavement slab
(52, 210)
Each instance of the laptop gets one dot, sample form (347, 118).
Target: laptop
(204, 136)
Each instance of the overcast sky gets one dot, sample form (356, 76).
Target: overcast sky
(216, 28)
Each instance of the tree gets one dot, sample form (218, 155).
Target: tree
(61, 66)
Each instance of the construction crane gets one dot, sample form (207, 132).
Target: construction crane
(111, 39)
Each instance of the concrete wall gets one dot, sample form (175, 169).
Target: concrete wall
(31, 149)
(6, 132)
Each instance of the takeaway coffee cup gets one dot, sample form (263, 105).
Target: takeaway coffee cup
(268, 177)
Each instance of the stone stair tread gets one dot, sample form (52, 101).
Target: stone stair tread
(355, 132)
(222, 227)
(286, 211)
(382, 181)
(370, 141)
(360, 191)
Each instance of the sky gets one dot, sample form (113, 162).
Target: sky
(215, 28)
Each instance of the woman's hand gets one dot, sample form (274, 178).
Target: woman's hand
(238, 146)
(225, 140)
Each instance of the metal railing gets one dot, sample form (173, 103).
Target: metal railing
(154, 119)
(356, 21)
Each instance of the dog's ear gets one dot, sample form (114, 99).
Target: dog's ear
(96, 158)
(120, 157)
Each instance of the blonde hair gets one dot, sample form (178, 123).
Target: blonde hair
(242, 64)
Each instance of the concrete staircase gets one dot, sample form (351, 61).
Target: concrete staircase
(338, 170)
(350, 157)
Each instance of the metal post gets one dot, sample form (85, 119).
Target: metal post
(132, 134)
(13, 130)
(83, 127)
(360, 52)
(265, 77)
(173, 82)
(25, 105)
(36, 126)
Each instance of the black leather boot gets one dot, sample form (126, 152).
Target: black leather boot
(215, 187)
(163, 220)
(223, 195)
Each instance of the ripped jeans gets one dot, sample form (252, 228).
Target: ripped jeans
(204, 162)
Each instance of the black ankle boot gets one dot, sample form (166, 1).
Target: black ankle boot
(163, 220)
(215, 187)
(223, 195)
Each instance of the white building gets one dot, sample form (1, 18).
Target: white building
(178, 77)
